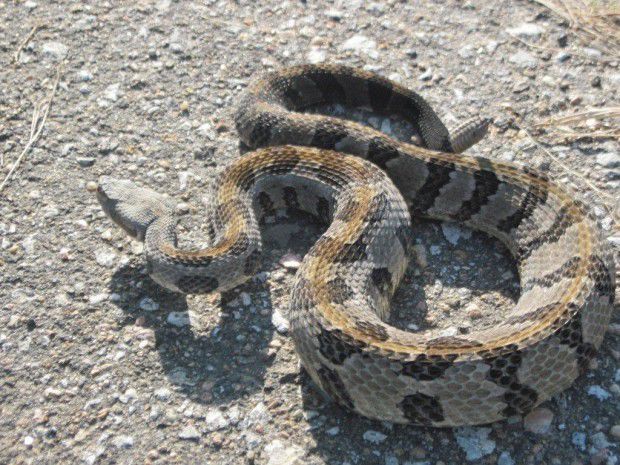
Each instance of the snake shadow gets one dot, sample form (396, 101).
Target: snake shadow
(220, 356)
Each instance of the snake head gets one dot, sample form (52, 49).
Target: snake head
(132, 207)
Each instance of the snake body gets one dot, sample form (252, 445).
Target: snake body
(365, 185)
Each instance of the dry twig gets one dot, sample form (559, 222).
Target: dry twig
(39, 116)
(608, 202)
(582, 124)
(594, 21)
(24, 42)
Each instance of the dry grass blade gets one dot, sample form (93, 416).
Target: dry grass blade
(594, 123)
(39, 116)
(608, 202)
(24, 42)
(597, 22)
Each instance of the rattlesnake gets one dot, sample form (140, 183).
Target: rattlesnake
(340, 298)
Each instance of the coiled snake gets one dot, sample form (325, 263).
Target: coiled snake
(365, 185)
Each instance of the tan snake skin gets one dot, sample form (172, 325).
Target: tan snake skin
(341, 296)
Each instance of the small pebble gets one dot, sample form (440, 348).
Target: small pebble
(182, 208)
(608, 159)
(333, 431)
(579, 440)
(361, 44)
(598, 392)
(105, 258)
(426, 75)
(473, 311)
(246, 299)
(279, 453)
(334, 14)
(316, 56)
(391, 460)
(56, 50)
(215, 420)
(523, 59)
(162, 394)
(562, 57)
(148, 305)
(85, 162)
(592, 52)
(84, 76)
(374, 437)
(475, 442)
(420, 255)
(538, 421)
(290, 261)
(189, 433)
(279, 322)
(527, 31)
(179, 319)
(505, 459)
(98, 298)
(123, 442)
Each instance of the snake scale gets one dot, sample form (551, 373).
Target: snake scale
(365, 186)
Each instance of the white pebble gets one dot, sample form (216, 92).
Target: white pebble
(316, 56)
(290, 261)
(451, 232)
(112, 92)
(214, 420)
(179, 319)
(361, 44)
(475, 442)
(259, 415)
(129, 394)
(246, 299)
(148, 305)
(523, 59)
(162, 394)
(98, 298)
(189, 433)
(279, 322)
(374, 437)
(579, 440)
(105, 258)
(526, 30)
(182, 208)
(123, 442)
(55, 50)
(598, 392)
(278, 453)
(505, 459)
(206, 130)
(84, 76)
